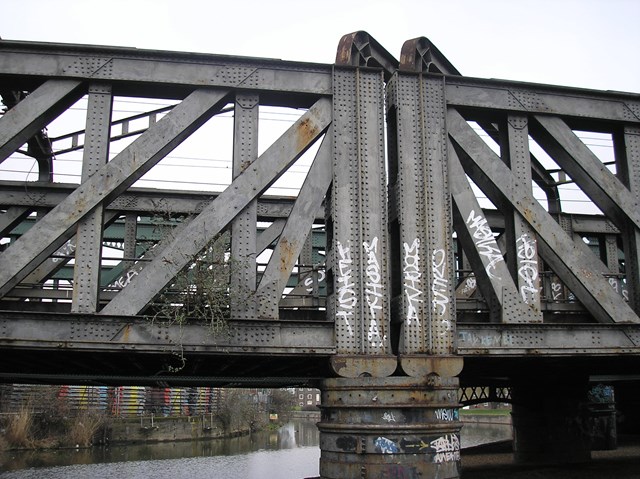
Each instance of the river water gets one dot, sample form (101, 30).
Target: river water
(291, 452)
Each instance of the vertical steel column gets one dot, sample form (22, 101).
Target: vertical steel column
(613, 264)
(243, 228)
(358, 262)
(627, 148)
(86, 272)
(522, 245)
(425, 246)
(130, 239)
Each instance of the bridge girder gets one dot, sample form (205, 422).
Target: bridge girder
(432, 151)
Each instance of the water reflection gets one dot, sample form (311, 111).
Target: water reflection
(247, 452)
(291, 452)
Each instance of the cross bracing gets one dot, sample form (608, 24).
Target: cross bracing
(433, 220)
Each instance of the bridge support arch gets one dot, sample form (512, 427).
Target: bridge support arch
(400, 427)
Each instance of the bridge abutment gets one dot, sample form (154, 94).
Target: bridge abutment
(378, 428)
(552, 427)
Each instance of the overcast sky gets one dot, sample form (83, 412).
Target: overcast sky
(585, 43)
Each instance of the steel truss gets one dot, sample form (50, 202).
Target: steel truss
(417, 271)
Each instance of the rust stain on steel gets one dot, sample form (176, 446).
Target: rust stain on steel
(287, 252)
(343, 55)
(528, 215)
(125, 333)
(306, 132)
(408, 56)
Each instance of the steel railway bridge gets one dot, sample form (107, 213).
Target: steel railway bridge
(434, 242)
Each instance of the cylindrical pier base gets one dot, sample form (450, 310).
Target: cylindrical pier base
(394, 427)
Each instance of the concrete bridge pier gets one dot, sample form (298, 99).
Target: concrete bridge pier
(551, 421)
(394, 427)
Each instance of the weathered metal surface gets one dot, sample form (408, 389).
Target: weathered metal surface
(482, 250)
(217, 215)
(133, 70)
(242, 284)
(627, 149)
(32, 114)
(583, 270)
(548, 340)
(173, 202)
(573, 283)
(521, 244)
(112, 334)
(420, 55)
(88, 241)
(580, 104)
(359, 49)
(113, 178)
(293, 236)
(391, 427)
(358, 256)
(421, 203)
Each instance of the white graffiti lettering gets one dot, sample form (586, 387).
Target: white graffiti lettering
(449, 442)
(308, 281)
(347, 299)
(528, 268)
(619, 287)
(447, 414)
(374, 293)
(469, 285)
(440, 282)
(389, 417)
(441, 457)
(412, 275)
(124, 280)
(485, 242)
(66, 250)
(472, 339)
(556, 290)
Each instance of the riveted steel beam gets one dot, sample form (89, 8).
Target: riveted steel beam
(295, 232)
(422, 225)
(88, 243)
(552, 340)
(105, 185)
(627, 151)
(90, 333)
(139, 200)
(580, 105)
(420, 55)
(359, 49)
(172, 74)
(358, 253)
(483, 252)
(571, 260)
(242, 283)
(220, 212)
(522, 247)
(33, 113)
(586, 169)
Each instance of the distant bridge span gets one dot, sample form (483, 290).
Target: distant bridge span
(441, 231)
